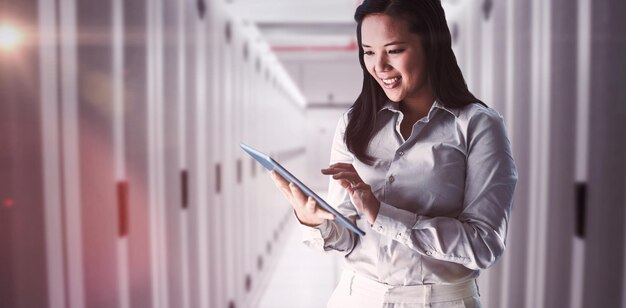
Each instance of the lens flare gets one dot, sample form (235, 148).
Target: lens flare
(10, 37)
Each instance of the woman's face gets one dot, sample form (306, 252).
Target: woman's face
(394, 57)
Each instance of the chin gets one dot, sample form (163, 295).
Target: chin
(394, 98)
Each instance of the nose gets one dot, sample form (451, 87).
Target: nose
(381, 64)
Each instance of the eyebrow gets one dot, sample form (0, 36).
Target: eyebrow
(392, 43)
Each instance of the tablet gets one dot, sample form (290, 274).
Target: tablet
(270, 164)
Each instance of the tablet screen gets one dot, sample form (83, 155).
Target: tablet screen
(270, 164)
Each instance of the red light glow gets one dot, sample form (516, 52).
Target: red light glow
(8, 203)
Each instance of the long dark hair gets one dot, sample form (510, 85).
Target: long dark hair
(427, 19)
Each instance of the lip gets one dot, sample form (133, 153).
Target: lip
(392, 85)
(388, 77)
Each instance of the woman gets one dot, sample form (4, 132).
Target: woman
(418, 163)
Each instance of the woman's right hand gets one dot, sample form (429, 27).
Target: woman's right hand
(307, 210)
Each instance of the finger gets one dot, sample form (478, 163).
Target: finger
(337, 168)
(282, 185)
(361, 186)
(345, 184)
(280, 182)
(329, 171)
(278, 178)
(351, 177)
(297, 193)
(311, 205)
(332, 170)
(342, 165)
(317, 210)
(322, 213)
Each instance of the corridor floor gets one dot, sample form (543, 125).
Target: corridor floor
(303, 278)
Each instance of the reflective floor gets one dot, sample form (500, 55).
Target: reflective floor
(302, 277)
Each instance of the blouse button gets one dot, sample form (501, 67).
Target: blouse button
(391, 179)
(400, 153)
(429, 252)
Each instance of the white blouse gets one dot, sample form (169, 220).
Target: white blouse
(445, 196)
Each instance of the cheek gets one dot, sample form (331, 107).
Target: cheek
(414, 74)
(369, 70)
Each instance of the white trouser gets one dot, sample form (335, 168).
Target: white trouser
(360, 292)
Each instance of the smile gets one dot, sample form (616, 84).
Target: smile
(391, 83)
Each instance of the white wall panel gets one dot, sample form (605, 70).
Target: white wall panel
(227, 231)
(96, 154)
(202, 158)
(117, 42)
(518, 116)
(561, 202)
(219, 205)
(68, 61)
(605, 165)
(539, 153)
(136, 149)
(176, 239)
(156, 129)
(241, 86)
(52, 194)
(191, 149)
(22, 217)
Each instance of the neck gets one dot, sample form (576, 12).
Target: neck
(417, 107)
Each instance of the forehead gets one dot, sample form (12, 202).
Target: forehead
(381, 29)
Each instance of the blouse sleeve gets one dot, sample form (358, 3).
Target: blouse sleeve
(331, 235)
(476, 238)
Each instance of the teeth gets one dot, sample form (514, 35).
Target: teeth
(391, 80)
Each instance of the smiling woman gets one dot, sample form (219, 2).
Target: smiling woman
(394, 57)
(414, 43)
(417, 162)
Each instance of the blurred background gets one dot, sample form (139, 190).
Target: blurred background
(122, 183)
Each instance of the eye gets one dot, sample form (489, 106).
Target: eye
(368, 53)
(396, 51)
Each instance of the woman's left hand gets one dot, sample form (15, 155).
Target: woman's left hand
(364, 199)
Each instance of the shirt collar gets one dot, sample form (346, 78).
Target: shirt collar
(390, 105)
(395, 107)
(453, 111)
